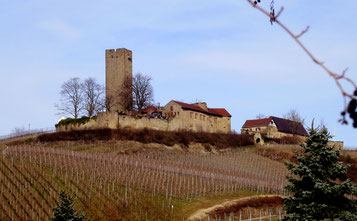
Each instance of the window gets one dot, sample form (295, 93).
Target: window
(204, 117)
(191, 115)
(171, 108)
(195, 115)
(178, 113)
(215, 119)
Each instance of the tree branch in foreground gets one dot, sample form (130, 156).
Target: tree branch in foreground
(352, 106)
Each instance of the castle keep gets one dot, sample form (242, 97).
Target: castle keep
(174, 116)
(118, 69)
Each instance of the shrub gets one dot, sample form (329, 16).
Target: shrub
(68, 121)
(286, 140)
(168, 138)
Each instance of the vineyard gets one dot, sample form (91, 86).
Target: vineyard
(145, 185)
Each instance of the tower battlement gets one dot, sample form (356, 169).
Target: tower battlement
(118, 52)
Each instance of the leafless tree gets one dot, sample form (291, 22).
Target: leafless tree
(294, 115)
(92, 98)
(142, 91)
(109, 103)
(261, 116)
(18, 131)
(126, 94)
(295, 118)
(71, 98)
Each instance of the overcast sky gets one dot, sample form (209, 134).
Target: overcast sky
(223, 52)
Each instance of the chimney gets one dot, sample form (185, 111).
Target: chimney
(202, 105)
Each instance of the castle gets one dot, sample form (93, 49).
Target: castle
(174, 116)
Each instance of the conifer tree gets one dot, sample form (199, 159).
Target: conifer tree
(319, 185)
(64, 211)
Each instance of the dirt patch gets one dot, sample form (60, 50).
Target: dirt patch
(238, 204)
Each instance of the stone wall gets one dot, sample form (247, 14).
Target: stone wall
(270, 131)
(337, 144)
(179, 122)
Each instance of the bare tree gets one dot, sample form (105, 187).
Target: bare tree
(17, 131)
(126, 94)
(109, 103)
(92, 98)
(142, 91)
(261, 116)
(71, 98)
(295, 118)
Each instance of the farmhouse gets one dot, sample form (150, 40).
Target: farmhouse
(274, 127)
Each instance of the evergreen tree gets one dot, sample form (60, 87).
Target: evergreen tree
(64, 211)
(319, 185)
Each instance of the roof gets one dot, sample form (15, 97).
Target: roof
(257, 122)
(219, 112)
(283, 125)
(148, 108)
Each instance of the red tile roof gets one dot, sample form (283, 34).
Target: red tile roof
(146, 110)
(257, 122)
(283, 125)
(220, 112)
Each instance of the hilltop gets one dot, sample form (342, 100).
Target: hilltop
(127, 176)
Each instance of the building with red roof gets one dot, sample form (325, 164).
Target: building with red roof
(149, 109)
(198, 117)
(274, 127)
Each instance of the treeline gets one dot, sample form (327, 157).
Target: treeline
(87, 97)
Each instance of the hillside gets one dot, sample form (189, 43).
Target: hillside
(117, 179)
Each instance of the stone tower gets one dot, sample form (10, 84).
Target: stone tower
(118, 69)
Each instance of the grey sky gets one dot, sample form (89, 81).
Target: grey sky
(223, 52)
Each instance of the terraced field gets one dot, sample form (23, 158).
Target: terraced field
(146, 185)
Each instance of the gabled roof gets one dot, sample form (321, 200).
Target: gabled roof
(257, 122)
(283, 125)
(289, 126)
(219, 112)
(148, 108)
